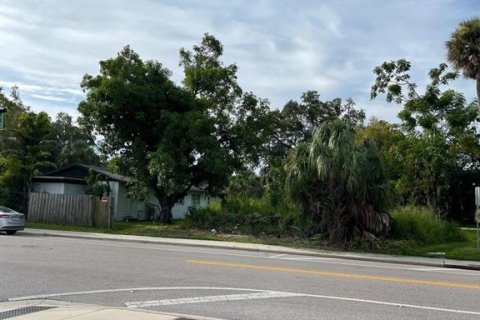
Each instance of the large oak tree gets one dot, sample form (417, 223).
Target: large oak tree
(161, 132)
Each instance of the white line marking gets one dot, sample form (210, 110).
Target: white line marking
(338, 261)
(53, 295)
(278, 256)
(221, 298)
(452, 271)
(292, 294)
(385, 265)
(428, 269)
(394, 304)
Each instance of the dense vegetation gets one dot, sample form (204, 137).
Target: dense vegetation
(32, 143)
(311, 167)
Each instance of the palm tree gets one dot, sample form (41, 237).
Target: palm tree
(340, 180)
(464, 50)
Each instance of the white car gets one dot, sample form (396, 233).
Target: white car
(11, 221)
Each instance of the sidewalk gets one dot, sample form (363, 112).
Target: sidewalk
(436, 261)
(59, 310)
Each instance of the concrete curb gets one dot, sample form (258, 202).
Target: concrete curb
(416, 261)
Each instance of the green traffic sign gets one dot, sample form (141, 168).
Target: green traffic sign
(2, 125)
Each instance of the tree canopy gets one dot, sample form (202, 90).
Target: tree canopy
(32, 144)
(242, 120)
(341, 181)
(463, 51)
(312, 153)
(161, 132)
(442, 138)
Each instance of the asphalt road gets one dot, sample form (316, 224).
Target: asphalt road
(230, 284)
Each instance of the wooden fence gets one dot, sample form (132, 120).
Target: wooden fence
(69, 209)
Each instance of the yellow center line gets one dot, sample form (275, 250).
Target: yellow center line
(335, 274)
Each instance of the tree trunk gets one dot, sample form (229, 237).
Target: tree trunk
(478, 91)
(165, 214)
(166, 206)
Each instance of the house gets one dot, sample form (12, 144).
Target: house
(73, 180)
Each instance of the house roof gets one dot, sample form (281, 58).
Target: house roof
(80, 171)
(58, 179)
(105, 172)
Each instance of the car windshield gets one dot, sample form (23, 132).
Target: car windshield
(7, 210)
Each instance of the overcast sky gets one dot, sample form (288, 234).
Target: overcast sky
(282, 47)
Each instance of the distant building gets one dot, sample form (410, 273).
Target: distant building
(73, 180)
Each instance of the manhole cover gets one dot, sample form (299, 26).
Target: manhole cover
(21, 311)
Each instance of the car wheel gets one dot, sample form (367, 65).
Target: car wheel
(11, 231)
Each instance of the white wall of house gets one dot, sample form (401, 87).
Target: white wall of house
(49, 187)
(123, 205)
(127, 207)
(58, 188)
(114, 194)
(70, 188)
(192, 199)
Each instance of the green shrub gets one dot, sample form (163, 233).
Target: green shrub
(205, 218)
(420, 224)
(249, 215)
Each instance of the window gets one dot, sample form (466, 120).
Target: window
(196, 199)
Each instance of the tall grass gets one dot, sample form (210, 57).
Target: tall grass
(421, 225)
(257, 216)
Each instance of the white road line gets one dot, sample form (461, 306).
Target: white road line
(390, 267)
(339, 261)
(78, 293)
(278, 256)
(451, 271)
(448, 270)
(393, 304)
(428, 269)
(205, 299)
(279, 294)
(376, 265)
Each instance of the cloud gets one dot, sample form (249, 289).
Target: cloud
(282, 47)
(41, 89)
(48, 98)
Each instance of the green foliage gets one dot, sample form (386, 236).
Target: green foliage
(420, 224)
(463, 51)
(341, 182)
(96, 186)
(31, 143)
(295, 122)
(12, 179)
(245, 183)
(242, 121)
(246, 215)
(390, 141)
(440, 142)
(464, 48)
(161, 132)
(391, 78)
(73, 143)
